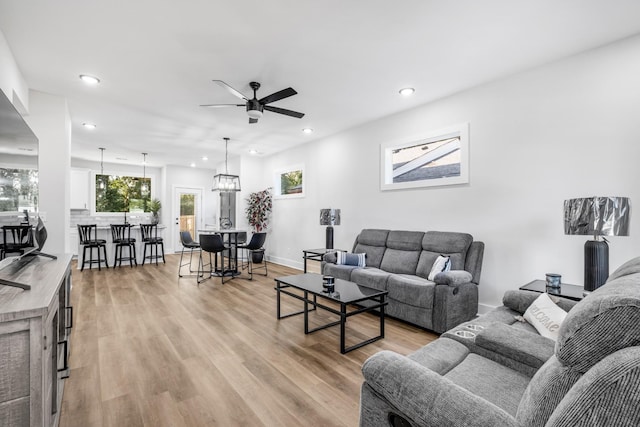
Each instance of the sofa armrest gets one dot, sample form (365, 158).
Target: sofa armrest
(522, 346)
(330, 257)
(453, 278)
(426, 397)
(520, 300)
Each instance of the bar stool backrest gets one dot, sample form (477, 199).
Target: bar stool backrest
(87, 233)
(17, 236)
(212, 243)
(149, 231)
(121, 233)
(257, 240)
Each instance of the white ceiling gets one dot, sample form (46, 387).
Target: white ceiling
(346, 59)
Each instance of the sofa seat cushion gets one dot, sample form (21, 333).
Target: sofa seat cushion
(506, 316)
(370, 277)
(441, 355)
(411, 290)
(491, 381)
(338, 271)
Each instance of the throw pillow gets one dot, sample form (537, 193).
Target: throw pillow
(544, 315)
(344, 258)
(442, 263)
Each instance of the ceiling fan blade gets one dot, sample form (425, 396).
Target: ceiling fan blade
(284, 93)
(230, 89)
(222, 105)
(283, 111)
(253, 120)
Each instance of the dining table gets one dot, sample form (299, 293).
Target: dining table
(230, 240)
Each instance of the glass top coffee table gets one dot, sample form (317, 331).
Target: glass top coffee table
(308, 287)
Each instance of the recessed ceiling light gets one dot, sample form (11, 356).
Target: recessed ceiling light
(253, 151)
(193, 165)
(407, 91)
(91, 80)
(307, 130)
(205, 158)
(121, 158)
(89, 125)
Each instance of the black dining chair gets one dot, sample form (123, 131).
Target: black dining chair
(149, 233)
(88, 234)
(16, 238)
(187, 243)
(121, 238)
(255, 246)
(213, 244)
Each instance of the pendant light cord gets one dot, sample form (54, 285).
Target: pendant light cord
(226, 155)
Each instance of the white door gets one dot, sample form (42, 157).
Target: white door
(187, 213)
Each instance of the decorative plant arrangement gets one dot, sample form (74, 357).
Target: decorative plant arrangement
(259, 209)
(154, 207)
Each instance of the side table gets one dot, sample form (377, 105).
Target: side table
(315, 255)
(572, 292)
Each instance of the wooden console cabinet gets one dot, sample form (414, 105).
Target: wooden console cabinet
(34, 341)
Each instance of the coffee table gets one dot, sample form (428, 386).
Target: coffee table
(346, 294)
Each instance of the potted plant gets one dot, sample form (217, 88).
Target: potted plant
(154, 208)
(258, 212)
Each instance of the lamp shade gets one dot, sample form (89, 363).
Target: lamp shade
(226, 183)
(329, 216)
(597, 216)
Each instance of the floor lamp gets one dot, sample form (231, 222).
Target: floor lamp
(597, 216)
(329, 217)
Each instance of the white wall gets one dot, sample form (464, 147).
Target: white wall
(568, 129)
(50, 121)
(11, 81)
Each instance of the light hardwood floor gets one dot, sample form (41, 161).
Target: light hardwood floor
(149, 349)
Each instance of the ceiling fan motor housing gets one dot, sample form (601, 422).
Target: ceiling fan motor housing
(254, 108)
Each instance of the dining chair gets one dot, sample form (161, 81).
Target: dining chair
(88, 234)
(255, 245)
(213, 244)
(187, 243)
(149, 233)
(121, 238)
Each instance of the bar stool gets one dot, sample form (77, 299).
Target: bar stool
(187, 243)
(88, 234)
(213, 244)
(150, 237)
(254, 246)
(121, 237)
(16, 238)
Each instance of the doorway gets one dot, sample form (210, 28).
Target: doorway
(187, 207)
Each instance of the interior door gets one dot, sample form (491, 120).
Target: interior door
(187, 213)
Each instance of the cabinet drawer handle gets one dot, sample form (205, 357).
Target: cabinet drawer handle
(65, 359)
(70, 310)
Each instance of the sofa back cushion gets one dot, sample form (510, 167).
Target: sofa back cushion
(403, 252)
(601, 324)
(373, 243)
(435, 243)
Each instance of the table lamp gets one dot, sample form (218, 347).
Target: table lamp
(597, 216)
(329, 217)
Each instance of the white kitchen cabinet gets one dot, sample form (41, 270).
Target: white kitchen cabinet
(80, 189)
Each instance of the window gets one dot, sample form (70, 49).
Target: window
(437, 158)
(18, 190)
(122, 193)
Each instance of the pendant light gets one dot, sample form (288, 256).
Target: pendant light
(224, 182)
(101, 185)
(144, 188)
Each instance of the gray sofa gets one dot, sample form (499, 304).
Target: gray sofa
(400, 262)
(509, 375)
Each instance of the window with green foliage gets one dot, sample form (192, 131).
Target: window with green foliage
(122, 193)
(18, 190)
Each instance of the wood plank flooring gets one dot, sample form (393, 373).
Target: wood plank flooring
(149, 349)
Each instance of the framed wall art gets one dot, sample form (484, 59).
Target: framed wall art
(434, 158)
(289, 182)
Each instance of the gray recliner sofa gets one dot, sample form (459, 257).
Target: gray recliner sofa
(400, 262)
(508, 375)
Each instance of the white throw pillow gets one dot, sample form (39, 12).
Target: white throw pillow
(442, 263)
(544, 315)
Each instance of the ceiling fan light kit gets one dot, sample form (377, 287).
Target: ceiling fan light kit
(255, 107)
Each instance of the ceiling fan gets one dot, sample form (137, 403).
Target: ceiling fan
(256, 106)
